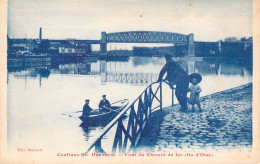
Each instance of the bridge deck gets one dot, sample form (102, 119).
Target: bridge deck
(225, 123)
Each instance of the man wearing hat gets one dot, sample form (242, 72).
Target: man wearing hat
(104, 103)
(86, 108)
(176, 75)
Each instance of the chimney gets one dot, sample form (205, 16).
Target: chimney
(40, 35)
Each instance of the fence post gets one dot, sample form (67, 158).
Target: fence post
(160, 95)
(98, 148)
(172, 97)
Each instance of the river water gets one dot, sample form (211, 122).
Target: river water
(42, 96)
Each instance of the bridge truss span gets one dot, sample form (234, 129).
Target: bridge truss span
(146, 37)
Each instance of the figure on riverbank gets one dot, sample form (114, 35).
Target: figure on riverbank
(176, 75)
(104, 103)
(86, 109)
(195, 90)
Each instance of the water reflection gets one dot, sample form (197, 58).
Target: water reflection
(93, 127)
(216, 67)
(128, 71)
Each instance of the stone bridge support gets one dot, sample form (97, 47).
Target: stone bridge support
(103, 42)
(89, 48)
(191, 49)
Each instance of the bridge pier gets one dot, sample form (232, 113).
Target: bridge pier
(103, 71)
(191, 67)
(191, 49)
(89, 47)
(103, 42)
(103, 48)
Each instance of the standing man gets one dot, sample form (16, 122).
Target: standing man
(104, 103)
(86, 109)
(176, 75)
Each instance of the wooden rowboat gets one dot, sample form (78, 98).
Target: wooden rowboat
(105, 115)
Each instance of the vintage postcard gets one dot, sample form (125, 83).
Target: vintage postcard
(129, 81)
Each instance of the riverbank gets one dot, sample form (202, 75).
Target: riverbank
(225, 123)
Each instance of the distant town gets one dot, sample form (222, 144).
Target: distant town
(229, 47)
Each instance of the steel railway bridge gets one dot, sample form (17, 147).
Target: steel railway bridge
(142, 37)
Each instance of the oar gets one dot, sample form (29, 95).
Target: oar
(68, 114)
(118, 101)
(114, 110)
(110, 109)
(72, 112)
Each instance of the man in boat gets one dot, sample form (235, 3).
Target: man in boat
(86, 108)
(176, 75)
(104, 103)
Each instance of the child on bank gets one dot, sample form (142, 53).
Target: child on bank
(195, 90)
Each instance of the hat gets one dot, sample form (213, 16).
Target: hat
(168, 56)
(86, 100)
(196, 76)
(104, 95)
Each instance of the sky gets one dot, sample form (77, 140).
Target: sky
(208, 20)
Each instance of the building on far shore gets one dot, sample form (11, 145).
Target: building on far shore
(231, 39)
(230, 47)
(66, 48)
